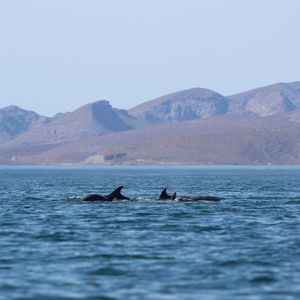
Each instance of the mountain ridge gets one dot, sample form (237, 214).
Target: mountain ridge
(182, 127)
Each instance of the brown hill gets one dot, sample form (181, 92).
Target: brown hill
(185, 105)
(215, 140)
(198, 103)
(266, 101)
(14, 121)
(94, 119)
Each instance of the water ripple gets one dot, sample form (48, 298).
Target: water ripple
(54, 246)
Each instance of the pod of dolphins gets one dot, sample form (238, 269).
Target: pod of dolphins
(116, 195)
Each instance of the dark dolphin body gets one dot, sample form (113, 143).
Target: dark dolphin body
(165, 196)
(116, 194)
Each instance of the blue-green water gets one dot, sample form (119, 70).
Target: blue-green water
(54, 246)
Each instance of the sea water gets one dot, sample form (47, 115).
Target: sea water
(55, 246)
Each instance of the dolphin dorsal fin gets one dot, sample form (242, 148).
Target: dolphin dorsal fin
(174, 196)
(164, 195)
(115, 194)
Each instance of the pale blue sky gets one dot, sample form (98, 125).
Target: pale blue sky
(57, 55)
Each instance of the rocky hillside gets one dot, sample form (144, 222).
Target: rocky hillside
(15, 121)
(94, 119)
(182, 106)
(266, 101)
(200, 103)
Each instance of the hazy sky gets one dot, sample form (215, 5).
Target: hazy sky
(57, 55)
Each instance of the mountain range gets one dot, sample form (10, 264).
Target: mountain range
(193, 126)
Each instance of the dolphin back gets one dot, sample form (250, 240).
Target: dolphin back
(94, 197)
(206, 198)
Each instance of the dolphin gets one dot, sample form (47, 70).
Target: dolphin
(115, 195)
(164, 196)
(174, 197)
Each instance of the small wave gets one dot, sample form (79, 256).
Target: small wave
(263, 279)
(72, 198)
(141, 199)
(33, 198)
(107, 272)
(5, 268)
(290, 201)
(53, 236)
(8, 287)
(206, 228)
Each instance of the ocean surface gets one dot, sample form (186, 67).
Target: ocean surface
(55, 246)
